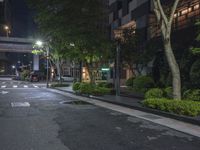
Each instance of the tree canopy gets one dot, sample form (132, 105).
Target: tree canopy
(75, 22)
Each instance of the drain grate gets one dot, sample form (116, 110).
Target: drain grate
(75, 102)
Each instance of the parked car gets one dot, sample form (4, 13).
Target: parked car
(66, 78)
(34, 78)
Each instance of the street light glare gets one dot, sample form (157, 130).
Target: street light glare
(6, 27)
(39, 43)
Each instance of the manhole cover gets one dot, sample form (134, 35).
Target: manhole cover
(76, 102)
(20, 104)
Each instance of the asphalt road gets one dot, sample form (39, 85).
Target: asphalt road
(36, 119)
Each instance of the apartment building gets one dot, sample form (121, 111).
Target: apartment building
(139, 14)
(129, 13)
(186, 15)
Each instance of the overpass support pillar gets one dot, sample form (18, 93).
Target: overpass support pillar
(35, 62)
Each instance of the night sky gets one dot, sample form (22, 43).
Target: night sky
(22, 19)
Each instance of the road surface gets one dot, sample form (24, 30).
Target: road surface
(33, 118)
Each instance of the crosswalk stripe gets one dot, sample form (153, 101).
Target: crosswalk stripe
(15, 86)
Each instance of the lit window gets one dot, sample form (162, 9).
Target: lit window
(196, 7)
(189, 9)
(185, 11)
(175, 15)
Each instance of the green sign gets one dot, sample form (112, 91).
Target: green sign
(105, 69)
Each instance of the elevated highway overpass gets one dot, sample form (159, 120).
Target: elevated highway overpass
(19, 45)
(16, 45)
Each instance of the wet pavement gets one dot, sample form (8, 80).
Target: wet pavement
(37, 119)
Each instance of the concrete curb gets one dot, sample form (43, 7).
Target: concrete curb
(186, 119)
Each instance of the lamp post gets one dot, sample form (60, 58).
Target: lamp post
(40, 45)
(47, 77)
(118, 69)
(118, 38)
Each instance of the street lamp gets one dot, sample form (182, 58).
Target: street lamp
(7, 29)
(40, 44)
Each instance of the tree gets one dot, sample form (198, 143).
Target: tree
(165, 20)
(131, 53)
(77, 22)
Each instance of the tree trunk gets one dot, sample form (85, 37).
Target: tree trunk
(176, 79)
(92, 79)
(131, 68)
(58, 71)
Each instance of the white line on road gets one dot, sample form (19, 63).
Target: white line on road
(4, 92)
(25, 86)
(20, 104)
(15, 86)
(3, 86)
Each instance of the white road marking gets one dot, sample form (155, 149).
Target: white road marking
(3, 86)
(35, 86)
(4, 92)
(25, 86)
(15, 86)
(20, 104)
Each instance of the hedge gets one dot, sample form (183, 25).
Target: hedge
(181, 107)
(143, 83)
(154, 93)
(59, 85)
(192, 95)
(90, 89)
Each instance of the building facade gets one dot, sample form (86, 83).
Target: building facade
(139, 14)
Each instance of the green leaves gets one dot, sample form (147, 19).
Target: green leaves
(37, 52)
(73, 21)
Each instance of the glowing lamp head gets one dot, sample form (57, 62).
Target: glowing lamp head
(6, 27)
(39, 43)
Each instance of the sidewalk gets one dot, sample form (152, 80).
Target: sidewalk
(157, 119)
(135, 103)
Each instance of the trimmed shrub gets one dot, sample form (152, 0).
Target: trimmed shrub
(168, 92)
(154, 93)
(188, 108)
(25, 74)
(192, 95)
(76, 86)
(102, 84)
(105, 85)
(143, 83)
(101, 91)
(59, 85)
(86, 88)
(129, 82)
